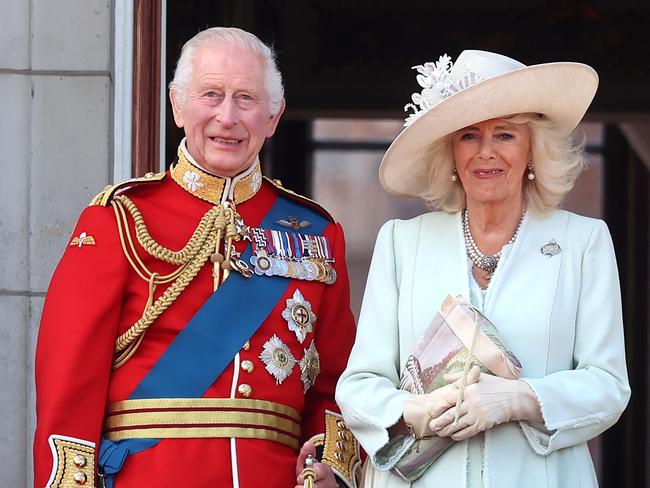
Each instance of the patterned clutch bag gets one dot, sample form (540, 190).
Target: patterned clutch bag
(457, 335)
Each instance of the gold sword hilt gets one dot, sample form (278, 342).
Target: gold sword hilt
(308, 474)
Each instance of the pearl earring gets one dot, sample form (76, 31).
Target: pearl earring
(531, 172)
(454, 175)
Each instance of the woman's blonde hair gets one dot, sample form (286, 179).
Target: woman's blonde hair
(556, 159)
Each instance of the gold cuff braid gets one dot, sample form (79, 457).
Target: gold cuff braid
(341, 449)
(74, 463)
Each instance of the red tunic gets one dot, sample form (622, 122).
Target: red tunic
(95, 295)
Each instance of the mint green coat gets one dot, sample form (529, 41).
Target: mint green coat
(560, 315)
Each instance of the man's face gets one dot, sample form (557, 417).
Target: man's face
(226, 114)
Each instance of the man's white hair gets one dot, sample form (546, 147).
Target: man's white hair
(231, 36)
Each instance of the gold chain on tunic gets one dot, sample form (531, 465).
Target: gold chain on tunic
(205, 243)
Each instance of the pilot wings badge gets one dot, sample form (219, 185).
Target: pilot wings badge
(293, 223)
(82, 240)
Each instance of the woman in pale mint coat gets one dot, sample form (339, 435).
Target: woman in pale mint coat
(489, 148)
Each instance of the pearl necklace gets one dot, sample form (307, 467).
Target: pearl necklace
(485, 262)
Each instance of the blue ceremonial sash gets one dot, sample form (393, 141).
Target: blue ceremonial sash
(211, 339)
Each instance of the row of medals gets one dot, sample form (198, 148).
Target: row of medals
(310, 269)
(306, 268)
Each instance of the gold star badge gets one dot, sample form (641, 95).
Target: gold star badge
(309, 367)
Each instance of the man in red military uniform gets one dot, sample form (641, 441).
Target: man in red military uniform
(196, 326)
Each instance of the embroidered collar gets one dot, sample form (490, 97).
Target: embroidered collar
(211, 188)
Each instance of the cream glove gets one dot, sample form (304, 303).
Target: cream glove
(489, 402)
(420, 409)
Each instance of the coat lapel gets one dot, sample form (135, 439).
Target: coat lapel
(522, 302)
(439, 267)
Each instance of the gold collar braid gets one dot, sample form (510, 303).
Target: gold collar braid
(217, 224)
(211, 188)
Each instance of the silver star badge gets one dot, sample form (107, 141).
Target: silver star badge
(242, 229)
(278, 359)
(299, 316)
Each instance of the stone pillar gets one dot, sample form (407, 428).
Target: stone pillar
(55, 133)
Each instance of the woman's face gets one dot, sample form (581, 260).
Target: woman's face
(491, 158)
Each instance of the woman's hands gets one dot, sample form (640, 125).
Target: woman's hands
(419, 410)
(487, 401)
(324, 474)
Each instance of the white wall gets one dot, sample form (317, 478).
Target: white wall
(55, 133)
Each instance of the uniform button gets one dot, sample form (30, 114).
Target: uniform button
(247, 366)
(246, 346)
(80, 477)
(245, 390)
(79, 461)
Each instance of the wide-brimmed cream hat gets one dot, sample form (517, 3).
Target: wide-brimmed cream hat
(480, 86)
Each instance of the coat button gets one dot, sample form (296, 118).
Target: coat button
(80, 478)
(79, 461)
(247, 366)
(245, 390)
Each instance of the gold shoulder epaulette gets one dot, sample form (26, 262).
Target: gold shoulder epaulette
(300, 198)
(104, 197)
